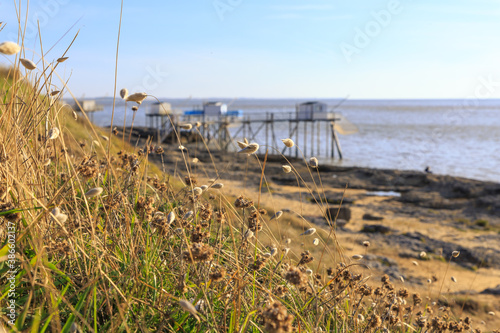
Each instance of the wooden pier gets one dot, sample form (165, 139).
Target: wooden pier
(312, 137)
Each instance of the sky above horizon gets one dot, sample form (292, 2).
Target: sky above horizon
(282, 49)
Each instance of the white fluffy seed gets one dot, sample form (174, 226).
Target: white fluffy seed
(308, 232)
(93, 192)
(170, 217)
(313, 162)
(187, 306)
(276, 215)
(286, 168)
(357, 257)
(316, 241)
(455, 254)
(137, 97)
(9, 48)
(53, 133)
(288, 142)
(186, 126)
(217, 186)
(252, 148)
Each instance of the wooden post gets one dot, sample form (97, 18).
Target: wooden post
(332, 154)
(318, 134)
(305, 139)
(267, 127)
(296, 137)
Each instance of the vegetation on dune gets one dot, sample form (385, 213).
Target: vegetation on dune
(106, 242)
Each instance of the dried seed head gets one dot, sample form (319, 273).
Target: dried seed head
(197, 124)
(491, 313)
(137, 97)
(61, 218)
(453, 279)
(75, 116)
(181, 147)
(429, 281)
(288, 142)
(186, 126)
(104, 137)
(276, 215)
(366, 243)
(274, 251)
(188, 215)
(217, 186)
(414, 263)
(313, 162)
(308, 232)
(56, 211)
(242, 145)
(423, 254)
(455, 254)
(309, 272)
(402, 279)
(285, 251)
(9, 48)
(55, 92)
(197, 191)
(62, 59)
(195, 160)
(288, 241)
(252, 148)
(204, 187)
(93, 192)
(286, 168)
(124, 93)
(28, 64)
(53, 133)
(267, 255)
(248, 234)
(135, 108)
(357, 257)
(276, 319)
(187, 306)
(47, 162)
(316, 241)
(170, 217)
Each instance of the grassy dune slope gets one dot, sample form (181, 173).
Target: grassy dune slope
(107, 243)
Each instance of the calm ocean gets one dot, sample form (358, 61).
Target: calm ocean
(455, 137)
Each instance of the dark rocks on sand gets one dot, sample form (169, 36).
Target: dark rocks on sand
(370, 217)
(344, 213)
(492, 291)
(376, 229)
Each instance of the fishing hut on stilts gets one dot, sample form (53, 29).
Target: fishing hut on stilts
(312, 127)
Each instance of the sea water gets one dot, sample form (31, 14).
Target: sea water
(454, 137)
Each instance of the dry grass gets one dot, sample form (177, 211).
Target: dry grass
(118, 260)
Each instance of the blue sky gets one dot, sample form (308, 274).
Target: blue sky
(280, 48)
